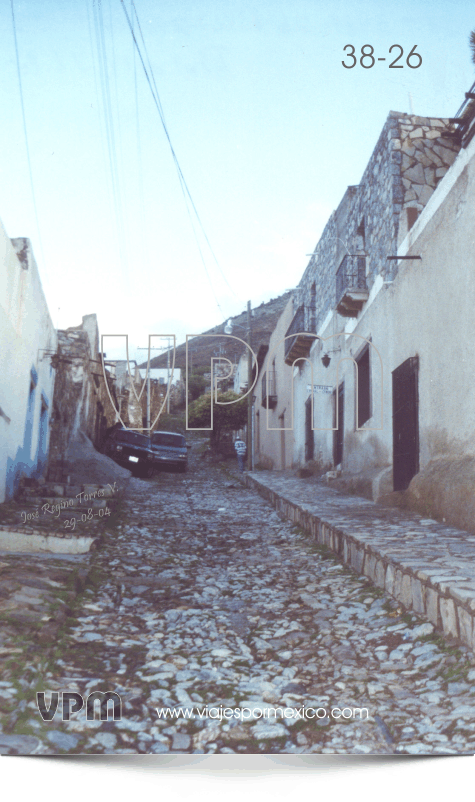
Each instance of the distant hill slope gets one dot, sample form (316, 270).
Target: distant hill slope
(201, 349)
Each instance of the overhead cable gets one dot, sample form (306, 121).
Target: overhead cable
(189, 202)
(104, 80)
(25, 132)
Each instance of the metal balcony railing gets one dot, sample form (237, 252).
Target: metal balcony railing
(299, 346)
(464, 120)
(351, 275)
(351, 288)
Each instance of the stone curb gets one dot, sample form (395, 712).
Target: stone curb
(449, 607)
(34, 541)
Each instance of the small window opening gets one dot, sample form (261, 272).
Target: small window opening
(364, 387)
(360, 234)
(412, 215)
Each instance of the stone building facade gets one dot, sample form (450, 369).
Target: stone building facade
(348, 269)
(81, 402)
(382, 329)
(126, 376)
(410, 158)
(133, 406)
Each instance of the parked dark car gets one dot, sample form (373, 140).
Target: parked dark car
(170, 450)
(132, 450)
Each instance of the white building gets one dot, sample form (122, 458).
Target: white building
(28, 341)
(381, 344)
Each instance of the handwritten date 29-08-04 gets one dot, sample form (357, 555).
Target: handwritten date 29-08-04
(368, 60)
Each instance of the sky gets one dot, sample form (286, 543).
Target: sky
(269, 129)
(267, 125)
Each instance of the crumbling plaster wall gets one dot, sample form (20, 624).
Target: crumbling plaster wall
(132, 406)
(81, 402)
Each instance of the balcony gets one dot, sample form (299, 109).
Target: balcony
(269, 392)
(351, 290)
(464, 120)
(300, 345)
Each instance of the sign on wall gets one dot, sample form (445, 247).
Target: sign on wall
(320, 388)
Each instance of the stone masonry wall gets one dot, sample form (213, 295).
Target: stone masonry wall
(73, 355)
(322, 267)
(426, 155)
(80, 400)
(411, 156)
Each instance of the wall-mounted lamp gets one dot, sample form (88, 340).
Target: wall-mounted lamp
(325, 360)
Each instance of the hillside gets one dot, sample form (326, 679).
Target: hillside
(201, 349)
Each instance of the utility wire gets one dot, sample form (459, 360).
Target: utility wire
(119, 150)
(25, 132)
(109, 128)
(156, 99)
(139, 156)
(184, 187)
(101, 119)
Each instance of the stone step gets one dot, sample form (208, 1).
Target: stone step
(56, 503)
(63, 489)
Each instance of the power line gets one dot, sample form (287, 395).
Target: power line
(139, 156)
(25, 131)
(110, 137)
(184, 187)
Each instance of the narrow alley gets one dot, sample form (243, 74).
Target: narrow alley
(224, 629)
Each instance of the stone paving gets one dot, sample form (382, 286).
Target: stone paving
(427, 565)
(205, 601)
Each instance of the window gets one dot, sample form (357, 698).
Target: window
(361, 243)
(313, 309)
(133, 438)
(360, 236)
(364, 388)
(412, 215)
(171, 440)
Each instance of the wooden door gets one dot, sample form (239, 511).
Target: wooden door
(405, 423)
(339, 423)
(309, 435)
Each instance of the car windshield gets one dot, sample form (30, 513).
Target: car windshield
(166, 439)
(133, 438)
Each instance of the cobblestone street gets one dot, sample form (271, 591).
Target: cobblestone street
(205, 598)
